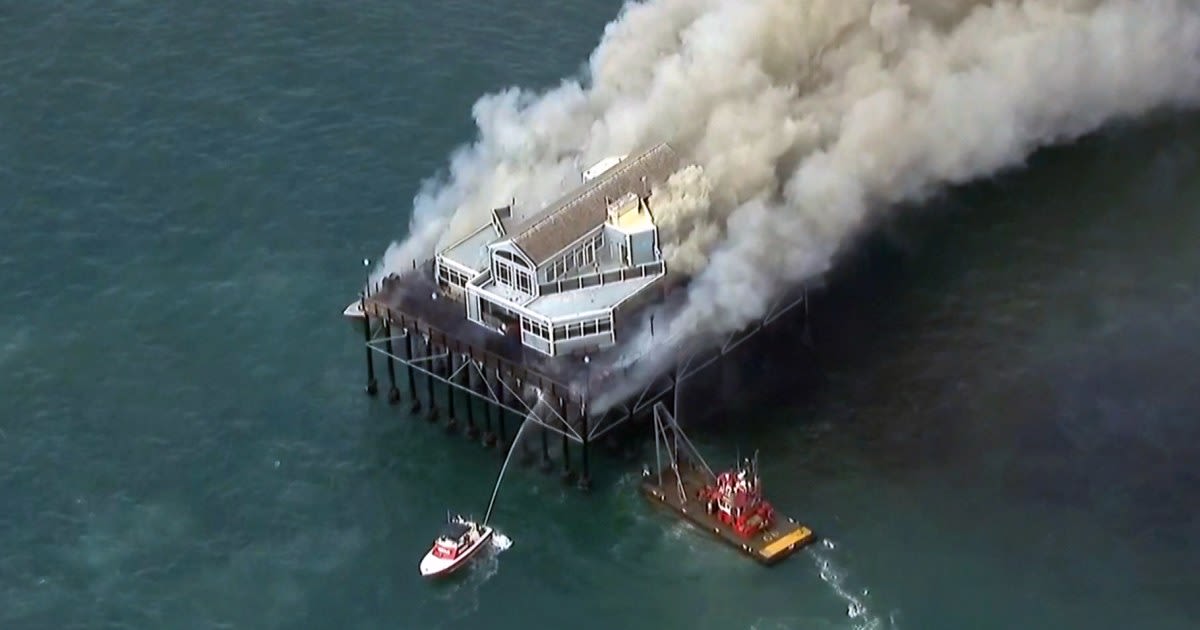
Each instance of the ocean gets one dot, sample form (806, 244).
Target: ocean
(997, 426)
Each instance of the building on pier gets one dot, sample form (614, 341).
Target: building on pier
(557, 279)
(524, 315)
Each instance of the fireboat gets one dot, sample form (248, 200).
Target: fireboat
(730, 505)
(459, 539)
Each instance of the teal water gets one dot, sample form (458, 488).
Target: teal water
(1004, 434)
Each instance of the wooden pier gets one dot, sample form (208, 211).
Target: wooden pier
(450, 365)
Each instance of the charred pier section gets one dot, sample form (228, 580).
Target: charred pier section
(482, 385)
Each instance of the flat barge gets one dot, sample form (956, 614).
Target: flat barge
(729, 506)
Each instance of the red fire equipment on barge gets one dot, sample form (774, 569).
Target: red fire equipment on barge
(730, 505)
(736, 500)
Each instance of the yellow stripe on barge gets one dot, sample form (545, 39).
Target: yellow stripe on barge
(801, 536)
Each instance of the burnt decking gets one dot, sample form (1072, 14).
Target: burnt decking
(410, 321)
(448, 361)
(417, 301)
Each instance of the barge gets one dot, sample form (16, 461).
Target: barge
(729, 505)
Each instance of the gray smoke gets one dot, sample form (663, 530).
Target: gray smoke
(805, 118)
(686, 231)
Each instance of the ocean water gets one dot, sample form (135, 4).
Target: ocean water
(998, 426)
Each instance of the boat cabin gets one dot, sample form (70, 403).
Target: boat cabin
(453, 538)
(736, 500)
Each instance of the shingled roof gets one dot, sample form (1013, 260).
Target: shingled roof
(578, 212)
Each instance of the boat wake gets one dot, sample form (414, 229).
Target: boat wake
(456, 599)
(856, 605)
(500, 542)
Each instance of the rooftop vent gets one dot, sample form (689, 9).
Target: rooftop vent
(600, 167)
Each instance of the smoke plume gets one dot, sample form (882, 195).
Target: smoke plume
(805, 119)
(680, 208)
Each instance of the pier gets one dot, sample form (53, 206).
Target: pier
(481, 384)
(527, 314)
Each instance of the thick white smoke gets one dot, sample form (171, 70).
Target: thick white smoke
(805, 117)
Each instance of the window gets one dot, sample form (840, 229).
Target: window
(511, 258)
(583, 329)
(535, 328)
(453, 277)
(503, 274)
(524, 283)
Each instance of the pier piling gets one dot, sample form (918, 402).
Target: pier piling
(393, 392)
(561, 416)
(451, 379)
(430, 352)
(372, 387)
(469, 366)
(547, 466)
(414, 405)
(585, 480)
(505, 375)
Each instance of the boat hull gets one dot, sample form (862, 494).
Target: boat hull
(433, 566)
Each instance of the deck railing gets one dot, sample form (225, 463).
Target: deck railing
(596, 278)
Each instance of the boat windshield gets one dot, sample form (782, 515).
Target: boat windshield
(446, 549)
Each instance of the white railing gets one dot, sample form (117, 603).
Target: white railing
(598, 278)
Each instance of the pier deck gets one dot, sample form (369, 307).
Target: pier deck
(784, 537)
(417, 299)
(449, 362)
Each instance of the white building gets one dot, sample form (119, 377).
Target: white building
(561, 275)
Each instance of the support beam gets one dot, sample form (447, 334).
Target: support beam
(546, 466)
(415, 398)
(451, 376)
(502, 436)
(568, 475)
(486, 373)
(372, 387)
(393, 391)
(432, 416)
(585, 480)
(469, 367)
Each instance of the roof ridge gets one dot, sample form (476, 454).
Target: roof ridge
(558, 216)
(590, 186)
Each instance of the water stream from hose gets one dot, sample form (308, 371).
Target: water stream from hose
(512, 447)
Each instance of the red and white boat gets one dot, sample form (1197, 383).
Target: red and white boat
(459, 541)
(736, 500)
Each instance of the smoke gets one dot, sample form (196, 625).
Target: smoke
(680, 208)
(806, 119)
